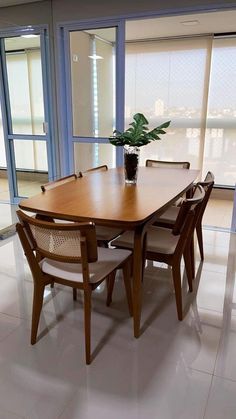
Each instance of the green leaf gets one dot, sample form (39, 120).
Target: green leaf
(137, 134)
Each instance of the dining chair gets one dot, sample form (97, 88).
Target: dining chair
(104, 234)
(168, 164)
(169, 245)
(167, 219)
(58, 182)
(101, 168)
(68, 254)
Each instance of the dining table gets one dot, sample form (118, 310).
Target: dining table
(105, 198)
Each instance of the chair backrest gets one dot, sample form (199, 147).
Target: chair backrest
(187, 218)
(58, 182)
(102, 168)
(189, 204)
(65, 242)
(207, 185)
(168, 164)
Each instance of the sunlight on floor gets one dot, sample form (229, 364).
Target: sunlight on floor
(218, 213)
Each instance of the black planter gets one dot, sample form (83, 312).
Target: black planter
(131, 160)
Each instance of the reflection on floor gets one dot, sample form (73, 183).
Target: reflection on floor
(175, 370)
(218, 213)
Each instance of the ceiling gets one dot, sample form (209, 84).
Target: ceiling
(205, 23)
(169, 26)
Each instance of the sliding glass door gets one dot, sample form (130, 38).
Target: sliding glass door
(93, 97)
(26, 121)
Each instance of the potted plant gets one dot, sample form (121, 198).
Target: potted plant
(136, 136)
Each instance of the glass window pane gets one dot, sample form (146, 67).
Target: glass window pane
(4, 187)
(25, 90)
(165, 80)
(93, 82)
(220, 142)
(88, 155)
(31, 166)
(178, 144)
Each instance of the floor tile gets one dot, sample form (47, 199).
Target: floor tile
(173, 393)
(9, 415)
(222, 400)
(166, 373)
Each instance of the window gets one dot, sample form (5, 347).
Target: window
(191, 82)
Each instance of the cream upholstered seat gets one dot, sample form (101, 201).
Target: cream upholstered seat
(67, 253)
(107, 261)
(168, 246)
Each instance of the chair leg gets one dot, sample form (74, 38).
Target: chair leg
(200, 240)
(188, 267)
(87, 325)
(74, 294)
(192, 256)
(36, 311)
(110, 287)
(178, 291)
(127, 282)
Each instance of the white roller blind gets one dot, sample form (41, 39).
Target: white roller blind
(220, 141)
(167, 80)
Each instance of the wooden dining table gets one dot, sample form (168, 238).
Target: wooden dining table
(106, 199)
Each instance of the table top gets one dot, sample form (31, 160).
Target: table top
(105, 198)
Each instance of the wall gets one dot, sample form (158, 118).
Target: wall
(79, 9)
(52, 12)
(26, 14)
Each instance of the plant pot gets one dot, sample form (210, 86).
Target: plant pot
(131, 160)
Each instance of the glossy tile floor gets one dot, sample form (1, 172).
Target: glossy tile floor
(175, 370)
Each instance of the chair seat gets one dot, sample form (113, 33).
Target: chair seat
(159, 240)
(107, 233)
(108, 260)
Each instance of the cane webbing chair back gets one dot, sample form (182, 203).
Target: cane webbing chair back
(60, 241)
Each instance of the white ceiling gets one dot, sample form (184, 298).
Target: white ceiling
(5, 3)
(169, 26)
(212, 22)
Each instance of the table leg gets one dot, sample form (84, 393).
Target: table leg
(138, 254)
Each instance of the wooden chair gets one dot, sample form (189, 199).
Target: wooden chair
(104, 234)
(168, 246)
(168, 218)
(58, 182)
(102, 168)
(168, 164)
(67, 254)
